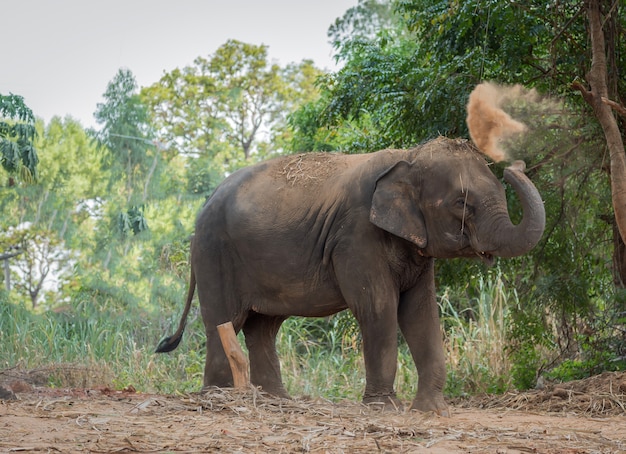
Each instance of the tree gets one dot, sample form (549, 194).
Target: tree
(410, 81)
(229, 106)
(44, 264)
(17, 133)
(363, 22)
(308, 133)
(53, 218)
(183, 112)
(17, 155)
(125, 133)
(145, 188)
(248, 91)
(599, 98)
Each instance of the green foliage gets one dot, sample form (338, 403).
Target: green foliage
(132, 220)
(225, 110)
(363, 21)
(377, 97)
(531, 346)
(17, 134)
(203, 175)
(602, 343)
(43, 261)
(146, 208)
(125, 134)
(72, 163)
(57, 211)
(308, 132)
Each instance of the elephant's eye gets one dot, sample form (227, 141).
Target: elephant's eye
(461, 204)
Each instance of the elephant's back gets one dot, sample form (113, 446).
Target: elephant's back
(297, 179)
(308, 170)
(276, 192)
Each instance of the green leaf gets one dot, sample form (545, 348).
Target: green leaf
(10, 155)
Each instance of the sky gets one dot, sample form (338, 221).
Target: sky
(60, 55)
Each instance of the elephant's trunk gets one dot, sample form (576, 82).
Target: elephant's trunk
(514, 240)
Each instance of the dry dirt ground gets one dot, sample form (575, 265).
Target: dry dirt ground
(586, 416)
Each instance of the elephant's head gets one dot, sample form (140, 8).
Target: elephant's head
(447, 201)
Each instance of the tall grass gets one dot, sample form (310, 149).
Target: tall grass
(319, 357)
(101, 348)
(475, 338)
(322, 357)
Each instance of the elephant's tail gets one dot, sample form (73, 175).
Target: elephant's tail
(170, 343)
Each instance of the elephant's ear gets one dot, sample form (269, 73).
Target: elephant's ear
(394, 208)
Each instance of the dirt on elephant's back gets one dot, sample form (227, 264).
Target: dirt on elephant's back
(579, 417)
(309, 169)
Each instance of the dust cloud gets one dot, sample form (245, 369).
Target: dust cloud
(489, 125)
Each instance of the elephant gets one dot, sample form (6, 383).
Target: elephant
(313, 234)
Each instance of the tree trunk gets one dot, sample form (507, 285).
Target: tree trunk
(619, 259)
(598, 99)
(619, 253)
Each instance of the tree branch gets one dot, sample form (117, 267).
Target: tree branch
(587, 95)
(615, 106)
(567, 25)
(9, 255)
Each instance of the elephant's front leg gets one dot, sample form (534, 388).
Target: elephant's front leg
(418, 317)
(376, 312)
(380, 350)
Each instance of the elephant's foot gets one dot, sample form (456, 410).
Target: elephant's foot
(383, 401)
(435, 404)
(217, 379)
(275, 390)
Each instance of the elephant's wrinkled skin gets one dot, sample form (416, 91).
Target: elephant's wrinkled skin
(313, 234)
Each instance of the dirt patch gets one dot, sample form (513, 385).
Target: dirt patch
(104, 420)
(309, 168)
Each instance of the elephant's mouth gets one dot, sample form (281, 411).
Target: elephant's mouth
(470, 249)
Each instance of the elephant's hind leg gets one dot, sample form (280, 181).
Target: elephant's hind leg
(260, 332)
(216, 368)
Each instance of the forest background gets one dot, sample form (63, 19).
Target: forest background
(95, 224)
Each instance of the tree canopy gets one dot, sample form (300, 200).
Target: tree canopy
(17, 133)
(230, 104)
